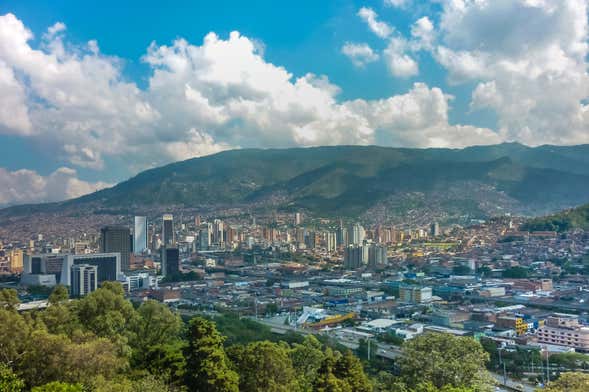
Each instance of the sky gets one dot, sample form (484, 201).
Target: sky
(93, 92)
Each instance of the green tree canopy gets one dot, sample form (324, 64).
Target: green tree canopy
(444, 360)
(207, 365)
(569, 382)
(265, 366)
(59, 295)
(57, 386)
(9, 299)
(9, 382)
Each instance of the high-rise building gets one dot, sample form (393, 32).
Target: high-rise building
(168, 234)
(84, 279)
(435, 229)
(170, 258)
(356, 234)
(16, 257)
(116, 239)
(330, 241)
(218, 232)
(355, 256)
(298, 218)
(377, 255)
(108, 266)
(204, 237)
(140, 235)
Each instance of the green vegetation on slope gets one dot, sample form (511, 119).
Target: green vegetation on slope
(576, 218)
(347, 180)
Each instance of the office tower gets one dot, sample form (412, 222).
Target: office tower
(108, 266)
(435, 229)
(115, 239)
(84, 279)
(197, 220)
(218, 232)
(298, 218)
(140, 235)
(168, 230)
(204, 237)
(356, 234)
(170, 258)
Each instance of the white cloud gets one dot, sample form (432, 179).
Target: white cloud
(530, 61)
(359, 53)
(14, 116)
(381, 29)
(397, 3)
(400, 64)
(27, 186)
(423, 31)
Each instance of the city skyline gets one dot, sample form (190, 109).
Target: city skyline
(393, 73)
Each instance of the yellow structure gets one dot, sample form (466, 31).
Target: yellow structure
(521, 327)
(16, 260)
(332, 320)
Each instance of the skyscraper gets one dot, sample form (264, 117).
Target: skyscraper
(170, 261)
(435, 229)
(168, 230)
(84, 279)
(356, 234)
(218, 232)
(140, 235)
(116, 239)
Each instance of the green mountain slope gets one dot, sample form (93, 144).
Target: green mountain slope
(576, 218)
(354, 180)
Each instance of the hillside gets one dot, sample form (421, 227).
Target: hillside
(575, 218)
(368, 181)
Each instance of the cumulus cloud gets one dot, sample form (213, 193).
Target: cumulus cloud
(399, 62)
(360, 54)
(381, 29)
(27, 186)
(530, 61)
(423, 31)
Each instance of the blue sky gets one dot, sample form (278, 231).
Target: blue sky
(88, 104)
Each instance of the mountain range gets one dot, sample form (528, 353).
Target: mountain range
(378, 183)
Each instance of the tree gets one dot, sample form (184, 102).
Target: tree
(155, 326)
(9, 382)
(349, 369)
(307, 358)
(569, 382)
(14, 333)
(326, 380)
(57, 386)
(9, 299)
(57, 358)
(60, 294)
(516, 272)
(106, 312)
(207, 365)
(444, 360)
(264, 366)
